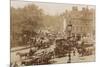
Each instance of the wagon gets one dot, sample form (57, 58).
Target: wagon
(39, 58)
(61, 47)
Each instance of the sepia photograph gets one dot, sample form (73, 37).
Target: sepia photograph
(43, 33)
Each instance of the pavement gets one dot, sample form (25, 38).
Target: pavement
(74, 59)
(62, 60)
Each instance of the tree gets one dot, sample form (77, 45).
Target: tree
(28, 18)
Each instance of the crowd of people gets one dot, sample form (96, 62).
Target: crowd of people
(53, 45)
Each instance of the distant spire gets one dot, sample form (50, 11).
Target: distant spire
(87, 8)
(64, 24)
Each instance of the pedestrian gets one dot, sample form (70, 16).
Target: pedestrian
(74, 52)
(15, 65)
(30, 52)
(11, 64)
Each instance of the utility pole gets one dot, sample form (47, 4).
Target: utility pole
(69, 29)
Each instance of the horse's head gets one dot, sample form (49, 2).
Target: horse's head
(18, 53)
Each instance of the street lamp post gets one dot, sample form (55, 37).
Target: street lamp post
(69, 29)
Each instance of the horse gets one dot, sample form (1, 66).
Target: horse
(22, 54)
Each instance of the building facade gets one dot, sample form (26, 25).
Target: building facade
(83, 21)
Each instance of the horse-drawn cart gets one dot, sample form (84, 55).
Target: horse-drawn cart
(39, 58)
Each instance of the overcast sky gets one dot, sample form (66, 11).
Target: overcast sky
(49, 8)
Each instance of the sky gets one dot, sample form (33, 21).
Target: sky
(48, 8)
